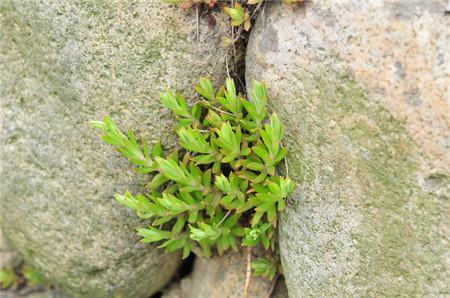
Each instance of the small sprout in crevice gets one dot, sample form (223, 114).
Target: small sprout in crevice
(8, 278)
(32, 276)
(18, 277)
(220, 190)
(238, 16)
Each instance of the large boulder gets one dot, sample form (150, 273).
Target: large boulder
(363, 90)
(63, 64)
(224, 277)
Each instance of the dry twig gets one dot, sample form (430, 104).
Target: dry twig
(197, 8)
(248, 275)
(274, 284)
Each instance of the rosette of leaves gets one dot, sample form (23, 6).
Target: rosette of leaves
(220, 190)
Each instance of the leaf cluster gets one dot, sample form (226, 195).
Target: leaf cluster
(265, 267)
(10, 278)
(220, 190)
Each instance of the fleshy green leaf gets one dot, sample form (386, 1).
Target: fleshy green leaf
(33, 277)
(176, 103)
(7, 278)
(236, 13)
(125, 144)
(139, 203)
(152, 234)
(229, 140)
(170, 169)
(193, 140)
(264, 267)
(231, 101)
(206, 89)
(204, 232)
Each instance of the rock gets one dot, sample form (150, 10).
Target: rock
(363, 90)
(32, 293)
(223, 277)
(9, 258)
(63, 64)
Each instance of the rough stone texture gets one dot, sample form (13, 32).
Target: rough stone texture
(223, 277)
(12, 294)
(363, 90)
(9, 258)
(33, 292)
(62, 64)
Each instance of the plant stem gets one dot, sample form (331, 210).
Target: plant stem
(256, 9)
(198, 25)
(274, 284)
(285, 162)
(216, 108)
(248, 275)
(225, 217)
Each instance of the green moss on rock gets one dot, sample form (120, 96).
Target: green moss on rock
(374, 229)
(63, 64)
(368, 218)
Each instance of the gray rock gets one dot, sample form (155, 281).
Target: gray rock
(223, 277)
(63, 64)
(9, 258)
(362, 88)
(32, 292)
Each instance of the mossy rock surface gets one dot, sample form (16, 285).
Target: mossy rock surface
(370, 217)
(63, 64)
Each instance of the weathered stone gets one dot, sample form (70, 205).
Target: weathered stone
(224, 277)
(33, 292)
(63, 64)
(363, 90)
(9, 258)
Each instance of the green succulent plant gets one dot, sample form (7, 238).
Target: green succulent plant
(220, 190)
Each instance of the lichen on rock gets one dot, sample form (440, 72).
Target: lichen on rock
(370, 216)
(63, 64)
